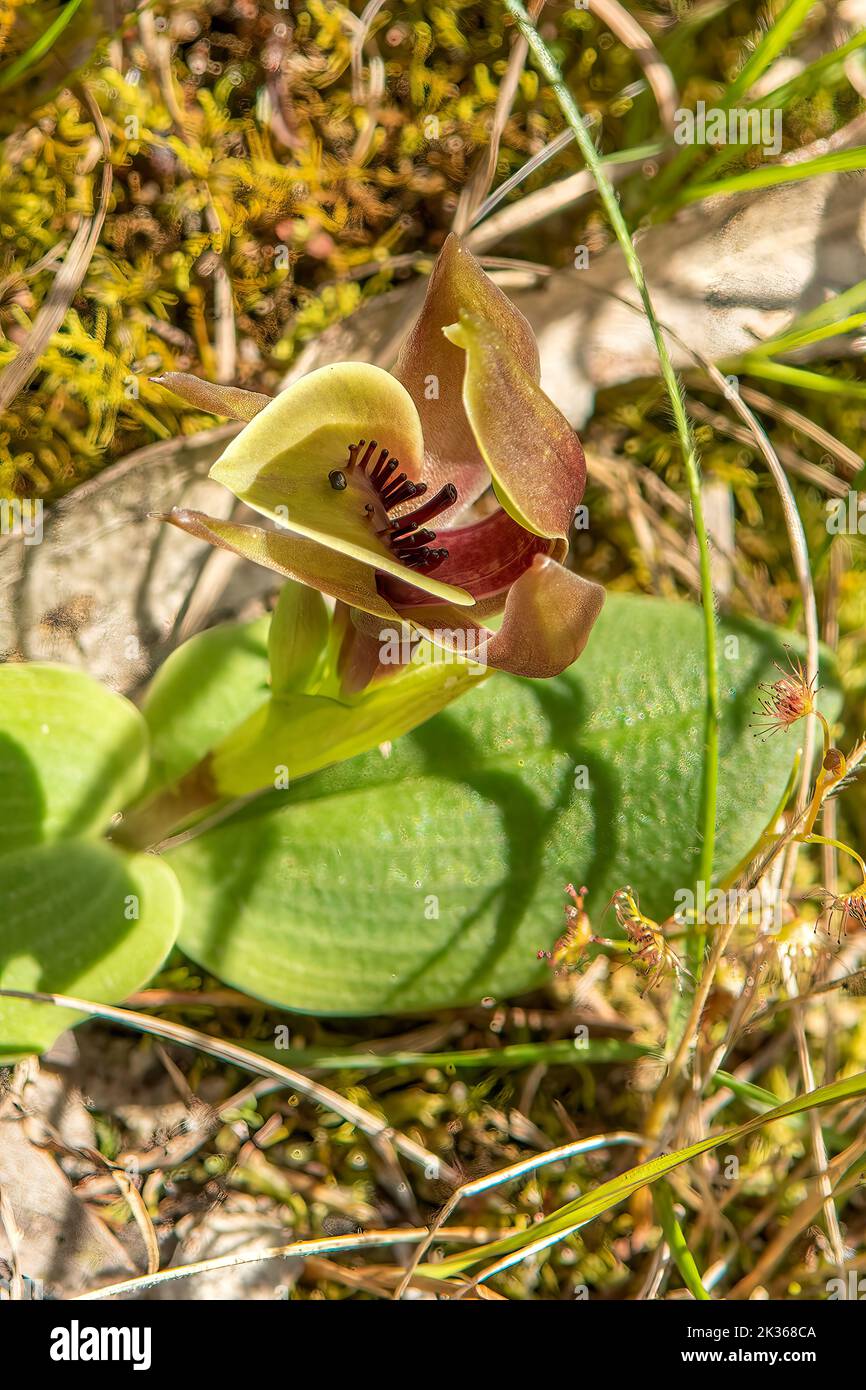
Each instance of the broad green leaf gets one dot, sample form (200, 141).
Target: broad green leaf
(79, 918)
(600, 1199)
(207, 686)
(432, 877)
(72, 753)
(76, 913)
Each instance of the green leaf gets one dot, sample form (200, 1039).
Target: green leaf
(79, 918)
(72, 753)
(76, 914)
(236, 692)
(433, 877)
(210, 684)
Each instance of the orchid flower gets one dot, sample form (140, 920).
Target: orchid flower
(373, 479)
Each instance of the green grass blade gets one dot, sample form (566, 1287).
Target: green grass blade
(800, 378)
(611, 1193)
(796, 88)
(774, 43)
(802, 338)
(771, 175)
(677, 1244)
(840, 314)
(562, 1052)
(813, 73)
(833, 309)
(745, 1090)
(38, 49)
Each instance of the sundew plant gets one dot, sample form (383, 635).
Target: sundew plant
(431, 652)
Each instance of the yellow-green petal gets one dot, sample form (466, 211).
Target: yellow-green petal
(282, 463)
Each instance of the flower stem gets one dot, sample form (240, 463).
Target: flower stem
(168, 810)
(837, 844)
(825, 731)
(609, 198)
